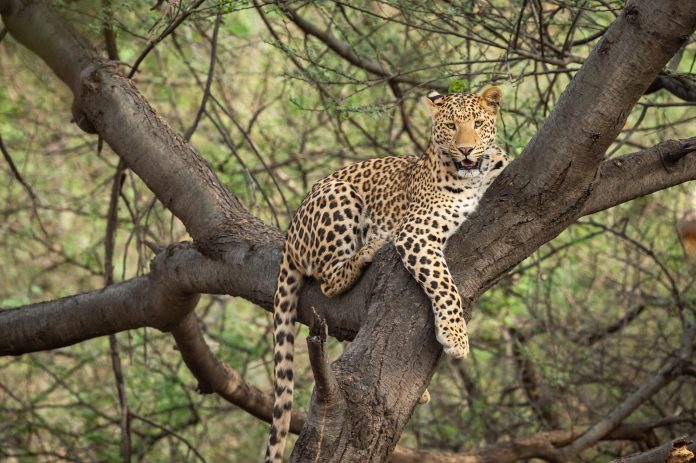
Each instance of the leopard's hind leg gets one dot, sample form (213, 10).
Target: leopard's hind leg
(345, 241)
(344, 272)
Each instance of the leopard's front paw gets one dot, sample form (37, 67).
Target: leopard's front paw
(497, 160)
(453, 338)
(367, 253)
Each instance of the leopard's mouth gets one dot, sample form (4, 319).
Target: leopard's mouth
(467, 164)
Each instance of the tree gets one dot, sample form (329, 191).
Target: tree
(363, 402)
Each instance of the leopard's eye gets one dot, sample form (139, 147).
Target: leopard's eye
(478, 123)
(451, 126)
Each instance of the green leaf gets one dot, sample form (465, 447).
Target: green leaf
(457, 86)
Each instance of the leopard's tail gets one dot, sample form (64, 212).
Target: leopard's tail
(284, 315)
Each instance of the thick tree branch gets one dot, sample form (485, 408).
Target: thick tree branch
(637, 174)
(549, 185)
(66, 321)
(163, 297)
(111, 104)
(152, 300)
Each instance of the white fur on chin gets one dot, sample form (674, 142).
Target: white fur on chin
(464, 173)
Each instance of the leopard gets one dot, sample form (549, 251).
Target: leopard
(415, 202)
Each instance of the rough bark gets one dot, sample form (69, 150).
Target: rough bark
(383, 373)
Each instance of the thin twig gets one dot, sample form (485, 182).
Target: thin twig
(111, 227)
(15, 171)
(35, 203)
(257, 152)
(171, 28)
(171, 433)
(669, 371)
(226, 139)
(209, 81)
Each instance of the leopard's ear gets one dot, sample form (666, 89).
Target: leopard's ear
(434, 100)
(490, 99)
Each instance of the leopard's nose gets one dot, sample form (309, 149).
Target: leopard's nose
(465, 150)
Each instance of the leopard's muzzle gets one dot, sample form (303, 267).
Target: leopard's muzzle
(467, 164)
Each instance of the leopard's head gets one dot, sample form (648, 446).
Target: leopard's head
(464, 128)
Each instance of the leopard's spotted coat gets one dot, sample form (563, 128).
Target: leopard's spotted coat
(415, 202)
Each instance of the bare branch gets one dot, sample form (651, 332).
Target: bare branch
(669, 371)
(325, 382)
(111, 225)
(596, 335)
(15, 171)
(675, 451)
(637, 174)
(680, 85)
(171, 433)
(209, 80)
(344, 50)
(537, 392)
(165, 33)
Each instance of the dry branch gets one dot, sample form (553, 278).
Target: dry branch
(324, 380)
(675, 451)
(214, 376)
(669, 371)
(343, 49)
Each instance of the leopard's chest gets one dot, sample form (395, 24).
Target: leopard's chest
(454, 209)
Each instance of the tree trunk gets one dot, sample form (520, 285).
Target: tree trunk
(380, 376)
